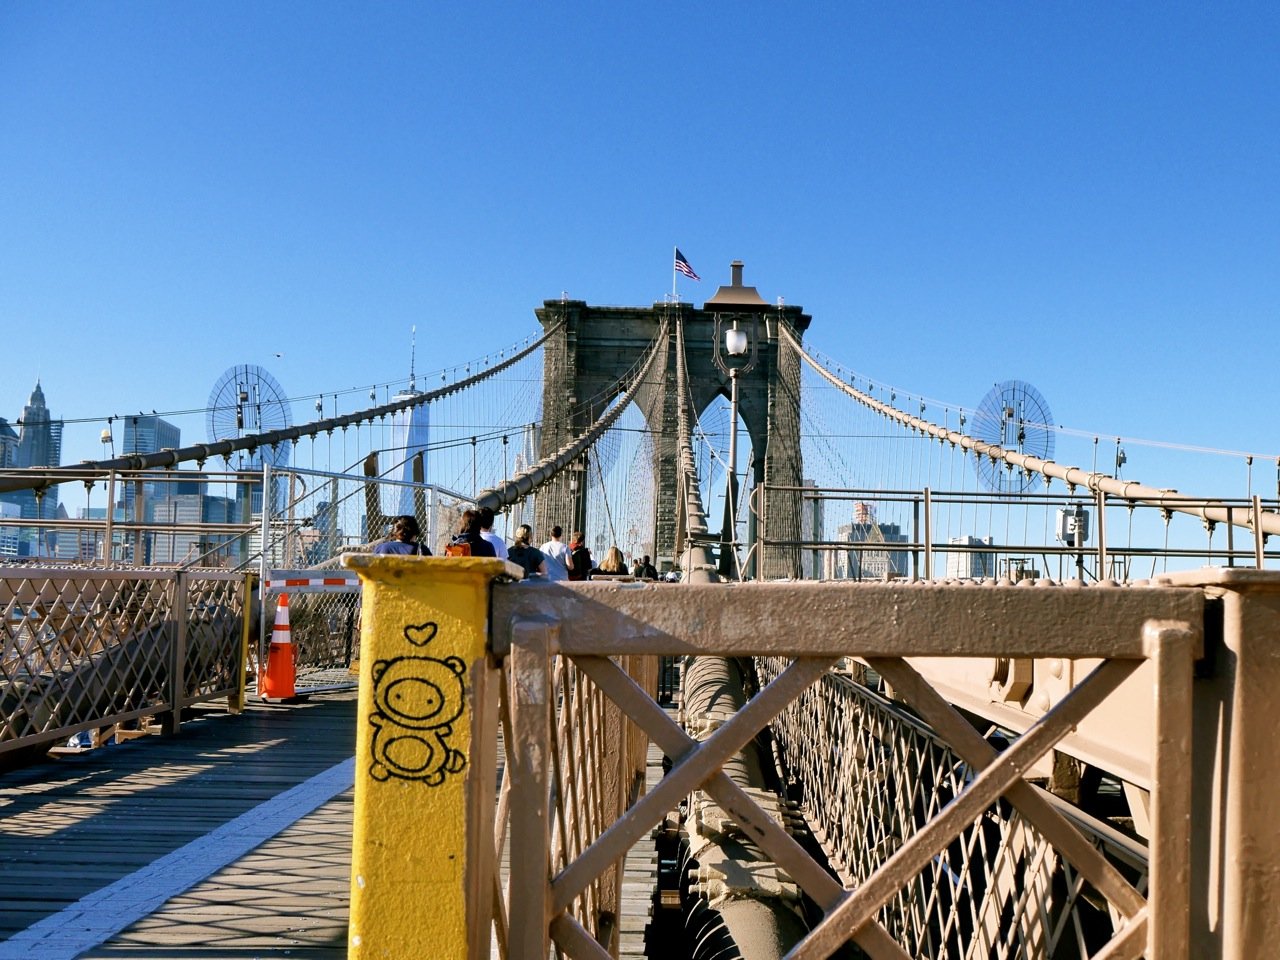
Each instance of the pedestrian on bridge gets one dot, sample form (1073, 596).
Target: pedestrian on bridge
(556, 552)
(614, 564)
(580, 562)
(467, 542)
(406, 538)
(486, 531)
(524, 554)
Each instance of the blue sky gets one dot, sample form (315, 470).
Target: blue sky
(1085, 196)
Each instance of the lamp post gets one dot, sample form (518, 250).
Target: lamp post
(737, 311)
(577, 495)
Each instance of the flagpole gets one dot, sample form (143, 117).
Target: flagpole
(674, 296)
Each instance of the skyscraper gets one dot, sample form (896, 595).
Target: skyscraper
(39, 444)
(409, 437)
(148, 434)
(8, 445)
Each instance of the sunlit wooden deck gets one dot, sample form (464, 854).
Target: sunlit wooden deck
(231, 840)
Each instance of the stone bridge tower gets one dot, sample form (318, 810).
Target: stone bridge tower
(597, 346)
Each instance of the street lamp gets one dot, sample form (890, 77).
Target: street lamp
(737, 311)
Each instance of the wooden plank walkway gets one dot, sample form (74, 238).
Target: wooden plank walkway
(139, 814)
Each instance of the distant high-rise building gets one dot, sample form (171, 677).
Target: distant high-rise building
(812, 527)
(189, 507)
(872, 563)
(974, 564)
(145, 434)
(409, 437)
(39, 444)
(148, 434)
(9, 512)
(8, 445)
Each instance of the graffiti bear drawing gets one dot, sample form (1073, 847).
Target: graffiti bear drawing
(416, 701)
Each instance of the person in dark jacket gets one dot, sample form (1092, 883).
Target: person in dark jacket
(405, 538)
(614, 564)
(469, 534)
(580, 562)
(524, 554)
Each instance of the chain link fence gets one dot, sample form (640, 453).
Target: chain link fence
(319, 517)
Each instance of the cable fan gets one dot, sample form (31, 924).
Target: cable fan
(1016, 417)
(248, 400)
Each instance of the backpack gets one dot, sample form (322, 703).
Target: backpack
(462, 549)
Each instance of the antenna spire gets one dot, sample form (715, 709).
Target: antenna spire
(413, 349)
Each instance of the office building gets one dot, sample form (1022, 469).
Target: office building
(409, 437)
(39, 444)
(871, 561)
(971, 564)
(8, 445)
(147, 434)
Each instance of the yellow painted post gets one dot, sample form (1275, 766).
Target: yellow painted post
(422, 853)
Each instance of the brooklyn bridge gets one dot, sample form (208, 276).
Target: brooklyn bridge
(914, 680)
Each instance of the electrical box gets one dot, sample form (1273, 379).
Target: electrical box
(1073, 521)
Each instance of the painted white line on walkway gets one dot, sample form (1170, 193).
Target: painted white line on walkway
(100, 915)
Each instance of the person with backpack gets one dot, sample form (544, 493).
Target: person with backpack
(524, 554)
(468, 542)
(580, 562)
(405, 539)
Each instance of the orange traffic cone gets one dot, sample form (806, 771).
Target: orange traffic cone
(277, 681)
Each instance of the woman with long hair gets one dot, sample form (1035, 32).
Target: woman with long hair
(613, 564)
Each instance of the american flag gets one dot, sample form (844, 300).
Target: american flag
(683, 266)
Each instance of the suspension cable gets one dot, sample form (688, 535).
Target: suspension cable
(1072, 476)
(518, 487)
(200, 452)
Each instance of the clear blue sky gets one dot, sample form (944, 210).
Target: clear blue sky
(1085, 196)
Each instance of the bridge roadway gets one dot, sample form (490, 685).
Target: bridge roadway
(230, 840)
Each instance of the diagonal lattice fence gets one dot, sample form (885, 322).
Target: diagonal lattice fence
(872, 775)
(81, 650)
(939, 875)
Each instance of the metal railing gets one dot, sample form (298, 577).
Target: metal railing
(595, 771)
(306, 519)
(1120, 539)
(158, 519)
(90, 649)
(872, 776)
(812, 626)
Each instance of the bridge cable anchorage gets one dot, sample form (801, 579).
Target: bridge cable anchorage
(51, 476)
(521, 485)
(1094, 481)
